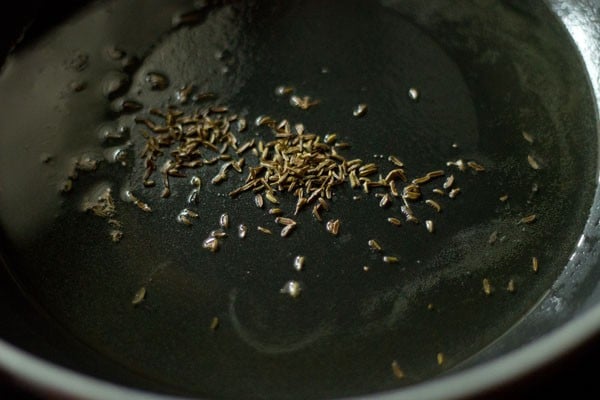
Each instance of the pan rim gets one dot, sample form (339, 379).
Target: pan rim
(47, 377)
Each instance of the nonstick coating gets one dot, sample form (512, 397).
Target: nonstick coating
(486, 72)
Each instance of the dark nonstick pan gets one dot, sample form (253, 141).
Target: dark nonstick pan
(511, 85)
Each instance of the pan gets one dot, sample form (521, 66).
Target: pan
(151, 155)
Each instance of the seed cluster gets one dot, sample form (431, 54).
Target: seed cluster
(306, 165)
(187, 137)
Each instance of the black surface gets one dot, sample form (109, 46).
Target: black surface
(479, 88)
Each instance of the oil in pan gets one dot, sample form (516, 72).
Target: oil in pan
(292, 199)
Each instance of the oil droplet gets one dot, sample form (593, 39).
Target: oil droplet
(78, 62)
(130, 64)
(45, 158)
(114, 84)
(77, 86)
(223, 55)
(114, 53)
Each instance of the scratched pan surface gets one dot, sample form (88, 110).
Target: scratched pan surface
(485, 71)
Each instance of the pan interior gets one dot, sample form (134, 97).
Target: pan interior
(486, 72)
